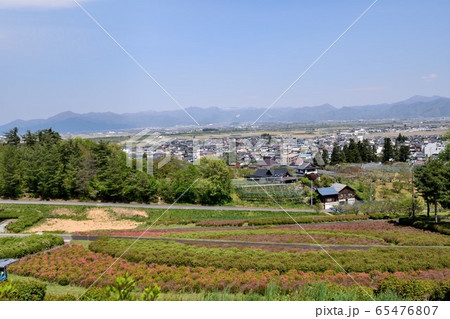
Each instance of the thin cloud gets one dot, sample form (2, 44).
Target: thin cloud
(430, 77)
(39, 4)
(369, 89)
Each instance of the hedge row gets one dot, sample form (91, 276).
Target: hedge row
(442, 227)
(172, 253)
(24, 220)
(13, 247)
(305, 220)
(415, 289)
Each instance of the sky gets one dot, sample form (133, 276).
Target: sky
(226, 53)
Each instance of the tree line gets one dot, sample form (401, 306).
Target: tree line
(363, 152)
(43, 165)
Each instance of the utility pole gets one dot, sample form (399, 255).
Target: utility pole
(311, 193)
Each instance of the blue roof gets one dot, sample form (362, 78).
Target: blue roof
(6, 262)
(327, 191)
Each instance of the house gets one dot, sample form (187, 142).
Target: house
(329, 196)
(346, 193)
(272, 175)
(306, 169)
(266, 162)
(336, 194)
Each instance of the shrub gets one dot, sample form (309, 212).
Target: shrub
(65, 297)
(220, 223)
(122, 288)
(172, 253)
(304, 220)
(382, 216)
(415, 289)
(27, 290)
(442, 227)
(151, 293)
(84, 267)
(13, 247)
(23, 222)
(96, 294)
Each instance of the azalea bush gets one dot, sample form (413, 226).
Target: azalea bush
(17, 247)
(293, 235)
(305, 220)
(82, 267)
(173, 253)
(22, 290)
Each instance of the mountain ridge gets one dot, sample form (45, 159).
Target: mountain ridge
(69, 122)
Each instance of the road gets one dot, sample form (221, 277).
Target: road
(5, 223)
(155, 206)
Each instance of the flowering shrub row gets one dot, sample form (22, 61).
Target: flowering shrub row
(386, 231)
(221, 223)
(172, 253)
(304, 220)
(78, 266)
(14, 247)
(293, 235)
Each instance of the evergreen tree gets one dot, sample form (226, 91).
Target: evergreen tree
(336, 155)
(403, 153)
(388, 151)
(353, 155)
(325, 156)
(345, 155)
(10, 179)
(12, 137)
(29, 138)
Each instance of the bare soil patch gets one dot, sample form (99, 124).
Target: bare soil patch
(98, 219)
(126, 212)
(63, 212)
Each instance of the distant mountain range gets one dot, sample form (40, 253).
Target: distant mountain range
(420, 107)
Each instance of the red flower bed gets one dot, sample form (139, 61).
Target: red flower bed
(81, 267)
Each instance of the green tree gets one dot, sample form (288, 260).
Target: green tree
(214, 187)
(353, 155)
(431, 184)
(388, 150)
(29, 138)
(403, 153)
(12, 137)
(337, 155)
(325, 156)
(10, 178)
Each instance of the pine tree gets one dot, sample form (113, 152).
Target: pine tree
(10, 179)
(12, 137)
(388, 151)
(325, 156)
(403, 153)
(353, 153)
(336, 155)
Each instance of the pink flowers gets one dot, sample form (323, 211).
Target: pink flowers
(82, 267)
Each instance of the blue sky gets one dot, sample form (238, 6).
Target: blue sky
(217, 53)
